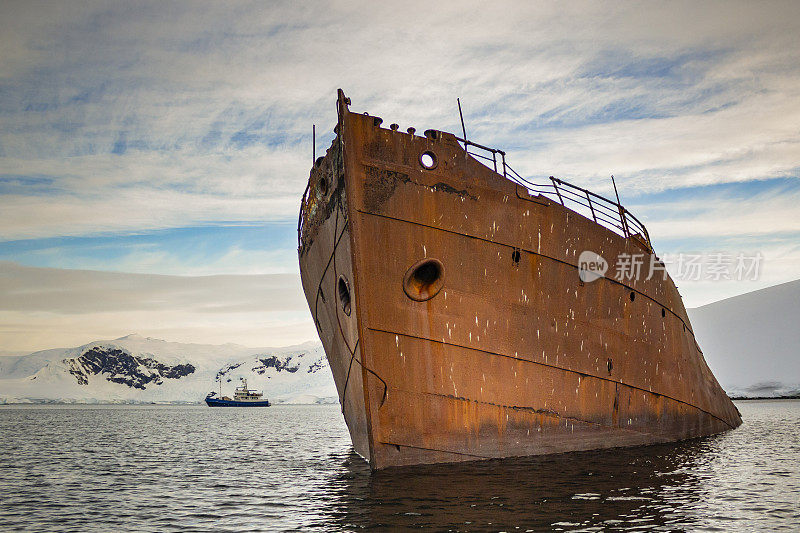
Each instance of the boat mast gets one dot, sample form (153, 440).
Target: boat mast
(460, 114)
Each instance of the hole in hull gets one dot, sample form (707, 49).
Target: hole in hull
(424, 279)
(428, 160)
(344, 295)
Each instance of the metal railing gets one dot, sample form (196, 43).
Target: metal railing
(601, 210)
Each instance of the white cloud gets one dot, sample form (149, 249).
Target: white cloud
(231, 261)
(31, 217)
(717, 216)
(175, 85)
(44, 307)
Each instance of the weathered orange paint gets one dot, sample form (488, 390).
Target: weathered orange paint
(510, 357)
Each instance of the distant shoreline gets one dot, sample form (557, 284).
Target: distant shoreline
(130, 404)
(789, 397)
(46, 402)
(100, 403)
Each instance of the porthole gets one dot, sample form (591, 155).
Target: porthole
(428, 160)
(663, 313)
(515, 256)
(610, 365)
(424, 279)
(633, 296)
(344, 295)
(323, 186)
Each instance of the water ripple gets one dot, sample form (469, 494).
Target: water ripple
(164, 468)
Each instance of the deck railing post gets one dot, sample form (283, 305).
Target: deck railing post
(647, 237)
(591, 207)
(555, 186)
(624, 221)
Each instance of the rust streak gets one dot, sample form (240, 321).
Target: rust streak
(516, 358)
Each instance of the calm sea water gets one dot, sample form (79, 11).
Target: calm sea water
(164, 468)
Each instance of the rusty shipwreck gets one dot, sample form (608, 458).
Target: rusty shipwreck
(446, 291)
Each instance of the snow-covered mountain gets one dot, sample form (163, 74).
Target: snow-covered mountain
(141, 369)
(752, 341)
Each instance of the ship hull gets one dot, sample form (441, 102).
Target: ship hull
(216, 402)
(450, 306)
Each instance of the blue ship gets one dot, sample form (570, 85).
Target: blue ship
(242, 397)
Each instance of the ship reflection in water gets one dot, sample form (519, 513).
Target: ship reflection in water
(657, 487)
(748, 480)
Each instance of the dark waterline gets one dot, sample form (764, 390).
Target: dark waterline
(192, 468)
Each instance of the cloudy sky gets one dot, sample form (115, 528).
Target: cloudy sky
(152, 155)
